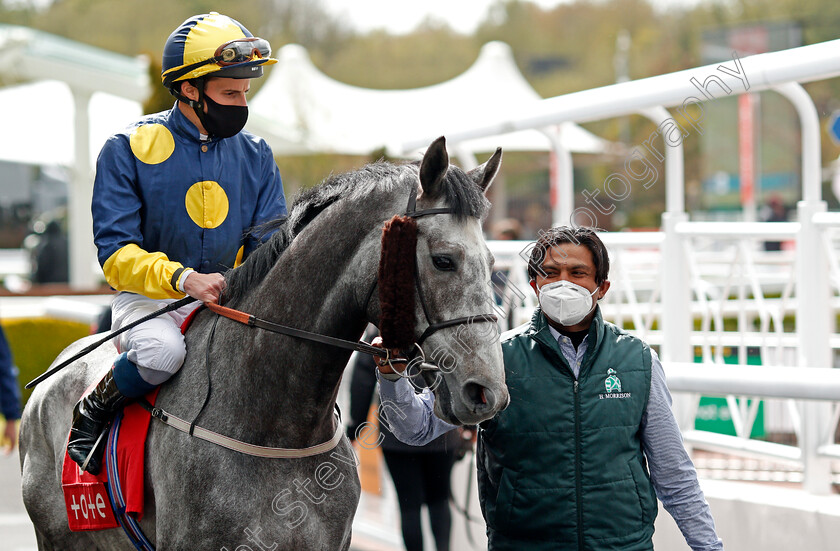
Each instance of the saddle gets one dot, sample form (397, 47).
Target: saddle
(115, 496)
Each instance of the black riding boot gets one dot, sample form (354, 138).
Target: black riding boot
(91, 417)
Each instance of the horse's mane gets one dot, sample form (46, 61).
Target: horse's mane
(461, 194)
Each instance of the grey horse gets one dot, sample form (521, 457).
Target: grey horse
(316, 272)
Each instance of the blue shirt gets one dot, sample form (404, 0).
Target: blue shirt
(9, 389)
(671, 469)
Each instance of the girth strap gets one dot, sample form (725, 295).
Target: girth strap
(244, 447)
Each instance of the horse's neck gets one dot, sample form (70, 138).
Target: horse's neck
(315, 286)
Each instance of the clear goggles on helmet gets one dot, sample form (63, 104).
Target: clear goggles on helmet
(241, 50)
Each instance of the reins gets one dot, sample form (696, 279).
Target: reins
(90, 348)
(253, 321)
(361, 346)
(192, 429)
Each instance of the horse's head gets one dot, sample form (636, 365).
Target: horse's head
(453, 322)
(318, 272)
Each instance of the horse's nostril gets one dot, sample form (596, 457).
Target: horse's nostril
(478, 395)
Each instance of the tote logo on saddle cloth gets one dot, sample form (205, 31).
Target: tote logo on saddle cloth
(86, 500)
(612, 384)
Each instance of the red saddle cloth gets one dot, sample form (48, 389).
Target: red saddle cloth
(85, 495)
(189, 319)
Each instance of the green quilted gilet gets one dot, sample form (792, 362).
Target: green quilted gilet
(562, 467)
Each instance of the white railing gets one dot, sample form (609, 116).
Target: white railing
(743, 301)
(688, 290)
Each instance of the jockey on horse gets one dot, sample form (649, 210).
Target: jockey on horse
(174, 199)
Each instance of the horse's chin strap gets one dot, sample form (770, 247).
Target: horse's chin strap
(466, 320)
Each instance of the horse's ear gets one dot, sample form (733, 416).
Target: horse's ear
(433, 167)
(483, 175)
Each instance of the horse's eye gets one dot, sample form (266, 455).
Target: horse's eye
(443, 263)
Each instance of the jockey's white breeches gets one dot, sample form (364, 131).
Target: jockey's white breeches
(155, 346)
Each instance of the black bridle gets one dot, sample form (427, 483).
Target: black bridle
(253, 321)
(361, 346)
(412, 212)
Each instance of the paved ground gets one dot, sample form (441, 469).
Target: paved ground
(16, 532)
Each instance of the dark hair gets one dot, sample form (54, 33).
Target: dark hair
(582, 235)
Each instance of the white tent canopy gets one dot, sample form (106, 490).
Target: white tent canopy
(40, 121)
(27, 55)
(301, 110)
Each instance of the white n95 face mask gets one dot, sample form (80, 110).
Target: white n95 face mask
(565, 302)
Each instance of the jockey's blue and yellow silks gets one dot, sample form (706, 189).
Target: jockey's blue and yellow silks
(135, 270)
(197, 40)
(164, 200)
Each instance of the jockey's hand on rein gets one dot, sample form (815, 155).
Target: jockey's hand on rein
(204, 287)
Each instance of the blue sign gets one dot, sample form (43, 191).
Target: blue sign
(834, 128)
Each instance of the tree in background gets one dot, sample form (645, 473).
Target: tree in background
(560, 50)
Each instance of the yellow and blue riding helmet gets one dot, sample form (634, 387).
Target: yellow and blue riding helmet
(212, 45)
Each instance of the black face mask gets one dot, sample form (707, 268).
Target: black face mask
(222, 121)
